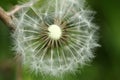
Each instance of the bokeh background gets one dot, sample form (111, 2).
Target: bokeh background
(106, 64)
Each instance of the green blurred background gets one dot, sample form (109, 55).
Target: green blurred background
(106, 64)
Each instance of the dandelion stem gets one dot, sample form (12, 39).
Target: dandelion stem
(7, 19)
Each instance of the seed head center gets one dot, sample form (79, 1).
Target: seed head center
(55, 32)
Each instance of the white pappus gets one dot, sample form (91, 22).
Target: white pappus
(55, 37)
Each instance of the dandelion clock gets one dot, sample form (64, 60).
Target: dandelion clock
(55, 37)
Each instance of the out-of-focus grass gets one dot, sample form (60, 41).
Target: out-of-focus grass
(7, 69)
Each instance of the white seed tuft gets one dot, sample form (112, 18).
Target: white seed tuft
(57, 37)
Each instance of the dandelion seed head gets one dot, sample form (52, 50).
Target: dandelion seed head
(55, 38)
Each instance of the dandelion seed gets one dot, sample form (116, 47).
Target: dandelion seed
(57, 37)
